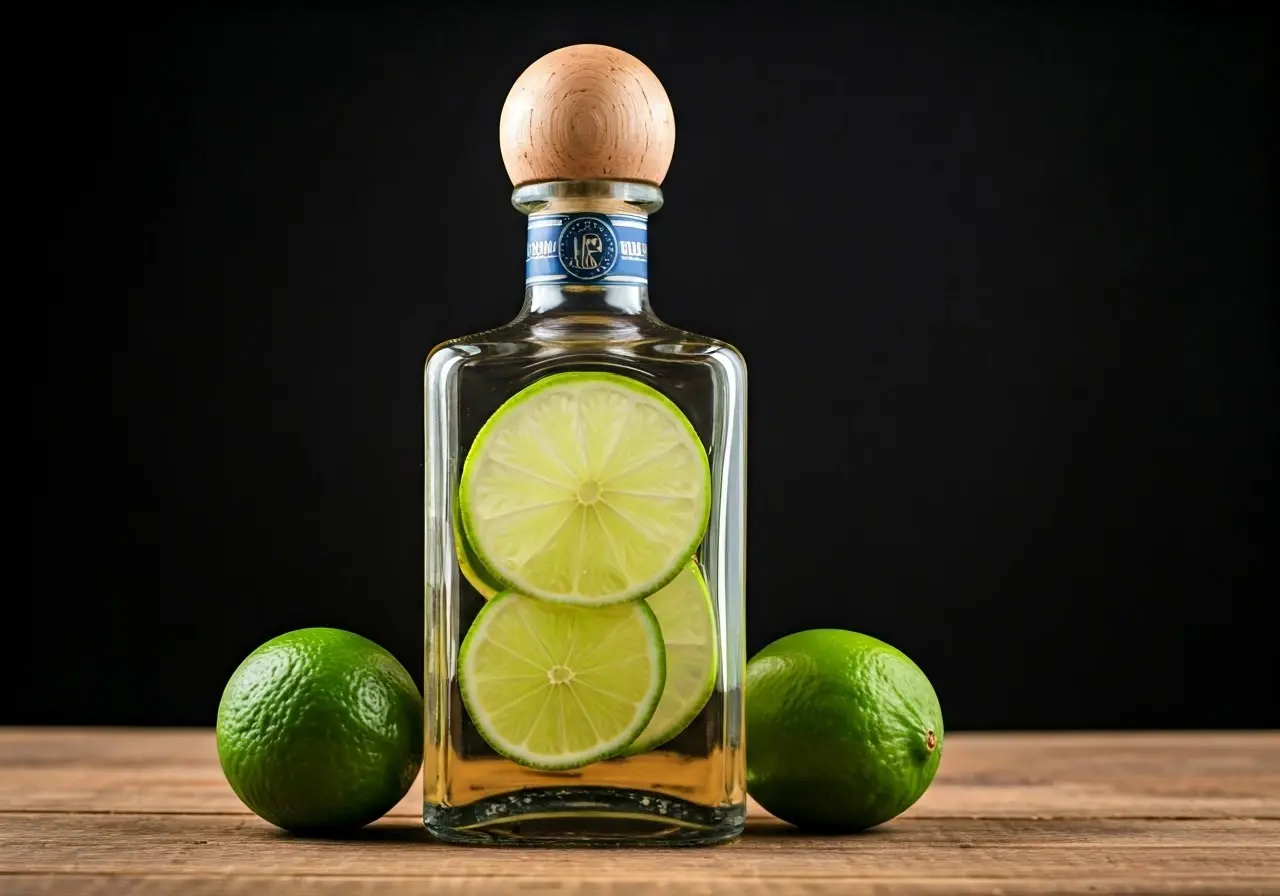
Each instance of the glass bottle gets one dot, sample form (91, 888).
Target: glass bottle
(587, 136)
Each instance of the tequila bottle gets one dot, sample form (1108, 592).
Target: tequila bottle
(585, 489)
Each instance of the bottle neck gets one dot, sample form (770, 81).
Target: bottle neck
(587, 248)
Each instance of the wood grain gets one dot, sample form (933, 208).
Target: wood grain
(101, 811)
(587, 112)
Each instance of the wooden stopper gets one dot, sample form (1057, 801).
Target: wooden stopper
(587, 112)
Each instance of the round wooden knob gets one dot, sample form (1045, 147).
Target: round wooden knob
(587, 112)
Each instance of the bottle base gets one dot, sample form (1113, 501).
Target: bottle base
(584, 816)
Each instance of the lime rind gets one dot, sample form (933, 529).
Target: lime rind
(636, 590)
(660, 730)
(468, 563)
(471, 678)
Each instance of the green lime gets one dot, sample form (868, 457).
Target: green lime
(555, 686)
(586, 488)
(688, 623)
(844, 732)
(320, 729)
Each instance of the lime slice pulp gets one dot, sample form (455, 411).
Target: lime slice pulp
(586, 488)
(688, 624)
(554, 686)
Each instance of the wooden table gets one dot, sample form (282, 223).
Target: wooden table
(147, 812)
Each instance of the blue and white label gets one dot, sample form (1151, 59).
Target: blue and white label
(592, 247)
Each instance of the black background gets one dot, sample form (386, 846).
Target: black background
(1004, 275)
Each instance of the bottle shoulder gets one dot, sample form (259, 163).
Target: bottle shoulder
(466, 380)
(520, 343)
(724, 352)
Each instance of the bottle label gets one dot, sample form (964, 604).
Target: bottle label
(592, 247)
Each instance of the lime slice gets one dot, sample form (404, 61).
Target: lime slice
(586, 488)
(688, 625)
(553, 686)
(469, 564)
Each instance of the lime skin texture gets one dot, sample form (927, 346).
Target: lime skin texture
(844, 732)
(320, 730)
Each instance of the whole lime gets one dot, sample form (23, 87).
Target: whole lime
(320, 730)
(844, 732)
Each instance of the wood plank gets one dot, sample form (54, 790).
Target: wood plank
(257, 885)
(1187, 775)
(914, 855)
(147, 812)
